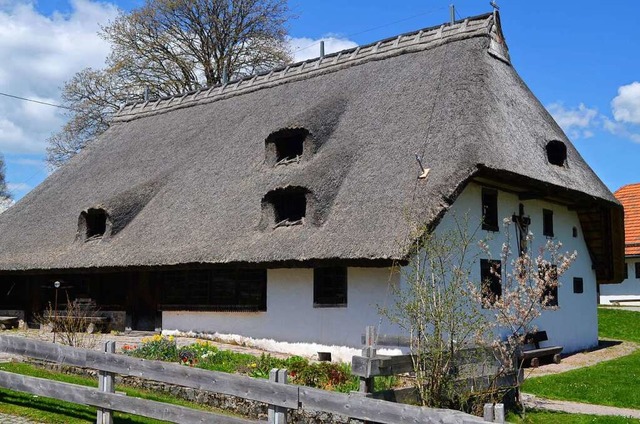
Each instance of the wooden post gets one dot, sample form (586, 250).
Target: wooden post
(277, 414)
(106, 384)
(368, 351)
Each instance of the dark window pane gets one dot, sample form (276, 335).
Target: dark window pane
(489, 209)
(550, 293)
(547, 222)
(330, 287)
(637, 266)
(491, 280)
(578, 285)
(213, 290)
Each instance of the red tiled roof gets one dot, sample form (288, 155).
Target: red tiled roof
(629, 196)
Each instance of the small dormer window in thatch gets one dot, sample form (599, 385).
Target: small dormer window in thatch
(556, 152)
(286, 146)
(288, 205)
(94, 222)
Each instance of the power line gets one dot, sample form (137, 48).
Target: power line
(428, 12)
(36, 101)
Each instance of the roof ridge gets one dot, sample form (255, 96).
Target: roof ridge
(624, 187)
(404, 43)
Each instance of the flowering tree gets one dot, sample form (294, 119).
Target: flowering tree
(529, 285)
(448, 313)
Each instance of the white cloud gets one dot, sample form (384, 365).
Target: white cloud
(37, 54)
(307, 48)
(576, 122)
(620, 129)
(626, 105)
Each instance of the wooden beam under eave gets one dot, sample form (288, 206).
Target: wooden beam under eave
(603, 230)
(530, 195)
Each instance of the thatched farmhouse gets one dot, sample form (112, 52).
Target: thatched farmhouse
(629, 291)
(275, 206)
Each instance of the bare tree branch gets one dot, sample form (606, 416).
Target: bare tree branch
(170, 47)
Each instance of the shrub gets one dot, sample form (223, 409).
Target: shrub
(203, 354)
(157, 348)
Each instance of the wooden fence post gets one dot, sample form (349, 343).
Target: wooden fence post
(368, 351)
(277, 414)
(106, 384)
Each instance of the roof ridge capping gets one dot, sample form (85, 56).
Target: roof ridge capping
(487, 24)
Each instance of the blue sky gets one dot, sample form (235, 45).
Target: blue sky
(578, 57)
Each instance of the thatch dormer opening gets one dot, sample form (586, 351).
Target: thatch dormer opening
(286, 206)
(556, 152)
(286, 146)
(94, 223)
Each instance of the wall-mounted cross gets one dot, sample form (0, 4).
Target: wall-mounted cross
(522, 229)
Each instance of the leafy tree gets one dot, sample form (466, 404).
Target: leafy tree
(168, 47)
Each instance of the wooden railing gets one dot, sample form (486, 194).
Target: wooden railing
(279, 395)
(479, 367)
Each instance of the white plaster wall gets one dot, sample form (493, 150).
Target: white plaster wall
(290, 314)
(629, 289)
(291, 317)
(574, 324)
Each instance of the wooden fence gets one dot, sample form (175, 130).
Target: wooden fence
(478, 368)
(279, 395)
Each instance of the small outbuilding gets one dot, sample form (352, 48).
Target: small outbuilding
(627, 293)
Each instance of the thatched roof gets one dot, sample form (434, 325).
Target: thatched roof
(183, 179)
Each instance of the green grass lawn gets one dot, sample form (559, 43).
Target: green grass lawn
(550, 417)
(613, 383)
(619, 324)
(56, 411)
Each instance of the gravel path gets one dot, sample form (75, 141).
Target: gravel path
(606, 350)
(532, 401)
(96, 341)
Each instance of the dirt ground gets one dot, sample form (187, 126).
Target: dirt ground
(97, 341)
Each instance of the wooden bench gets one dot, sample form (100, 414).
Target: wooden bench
(617, 302)
(93, 324)
(532, 356)
(8, 322)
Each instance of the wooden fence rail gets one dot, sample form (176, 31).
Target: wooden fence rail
(279, 395)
